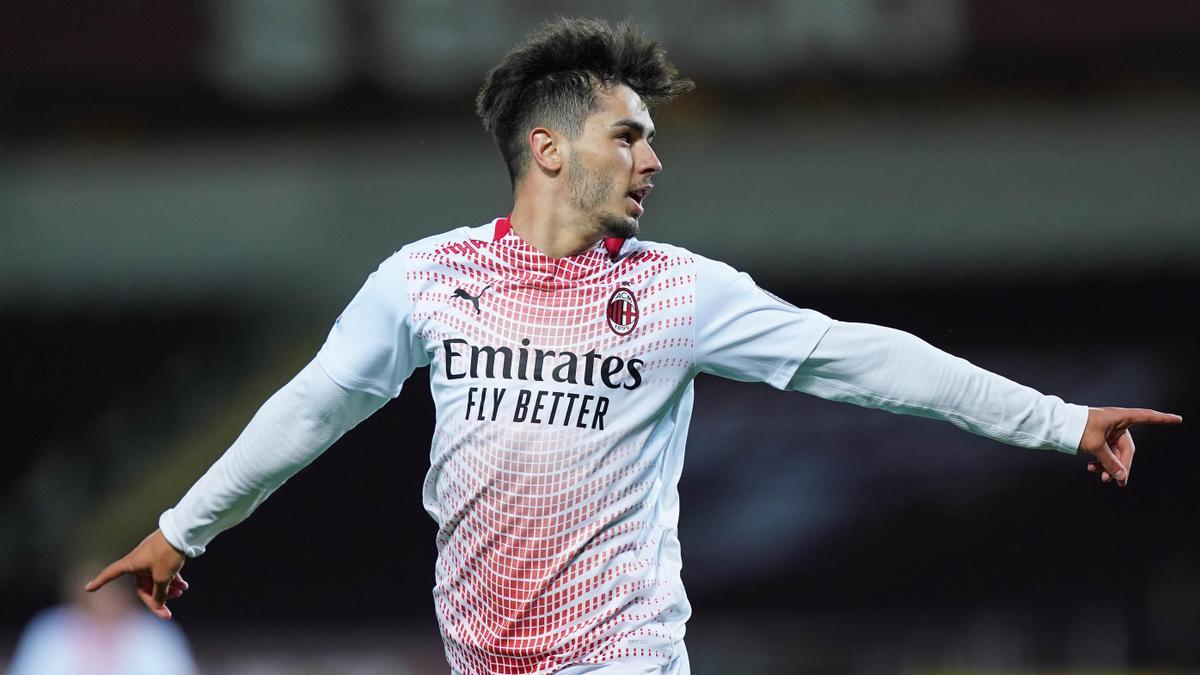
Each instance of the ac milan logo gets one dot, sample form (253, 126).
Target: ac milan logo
(622, 311)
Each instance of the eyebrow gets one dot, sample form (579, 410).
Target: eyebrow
(636, 126)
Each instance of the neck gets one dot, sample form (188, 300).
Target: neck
(551, 225)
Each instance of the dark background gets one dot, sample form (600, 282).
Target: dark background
(191, 191)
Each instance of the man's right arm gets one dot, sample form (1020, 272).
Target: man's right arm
(293, 428)
(289, 431)
(371, 350)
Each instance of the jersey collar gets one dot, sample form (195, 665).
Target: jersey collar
(612, 245)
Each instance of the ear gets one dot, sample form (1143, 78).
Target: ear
(546, 150)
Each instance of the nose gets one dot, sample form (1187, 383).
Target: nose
(648, 163)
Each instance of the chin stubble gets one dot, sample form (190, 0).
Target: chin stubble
(612, 225)
(588, 191)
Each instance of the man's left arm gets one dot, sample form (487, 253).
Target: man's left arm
(891, 370)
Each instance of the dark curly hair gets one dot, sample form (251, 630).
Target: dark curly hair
(552, 79)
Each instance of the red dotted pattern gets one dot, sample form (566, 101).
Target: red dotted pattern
(548, 535)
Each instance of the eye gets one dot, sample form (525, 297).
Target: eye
(626, 138)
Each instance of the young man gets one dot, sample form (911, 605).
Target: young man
(562, 352)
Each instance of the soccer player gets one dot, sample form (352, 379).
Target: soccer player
(562, 351)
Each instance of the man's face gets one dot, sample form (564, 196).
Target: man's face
(610, 164)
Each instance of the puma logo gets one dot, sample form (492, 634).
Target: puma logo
(460, 293)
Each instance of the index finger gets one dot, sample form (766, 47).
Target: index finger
(1147, 416)
(109, 573)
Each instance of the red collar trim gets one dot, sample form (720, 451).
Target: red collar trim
(613, 245)
(504, 226)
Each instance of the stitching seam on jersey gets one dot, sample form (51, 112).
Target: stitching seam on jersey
(347, 381)
(800, 358)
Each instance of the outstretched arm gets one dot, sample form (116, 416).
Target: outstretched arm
(745, 333)
(291, 429)
(883, 368)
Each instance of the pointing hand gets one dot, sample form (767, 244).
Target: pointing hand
(154, 565)
(1107, 439)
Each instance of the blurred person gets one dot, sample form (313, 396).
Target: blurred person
(562, 351)
(100, 633)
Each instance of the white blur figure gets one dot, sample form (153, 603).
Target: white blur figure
(100, 633)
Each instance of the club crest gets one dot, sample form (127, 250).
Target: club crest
(622, 311)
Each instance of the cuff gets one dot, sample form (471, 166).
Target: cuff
(1071, 432)
(166, 525)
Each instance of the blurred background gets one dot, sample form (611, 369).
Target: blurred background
(190, 191)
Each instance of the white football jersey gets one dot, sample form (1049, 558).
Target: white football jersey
(563, 390)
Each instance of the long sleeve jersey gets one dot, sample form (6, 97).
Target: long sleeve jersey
(563, 390)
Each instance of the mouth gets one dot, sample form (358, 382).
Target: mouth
(638, 196)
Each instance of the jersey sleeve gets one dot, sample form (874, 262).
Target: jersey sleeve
(294, 426)
(879, 367)
(372, 346)
(745, 333)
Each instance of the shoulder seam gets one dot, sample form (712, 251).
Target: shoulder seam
(665, 248)
(459, 233)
